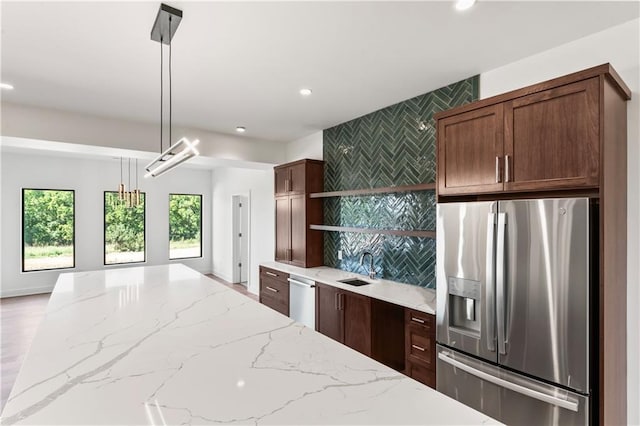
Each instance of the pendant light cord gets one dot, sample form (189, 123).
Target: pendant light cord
(161, 93)
(170, 100)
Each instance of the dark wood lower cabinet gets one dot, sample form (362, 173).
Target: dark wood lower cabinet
(274, 290)
(420, 347)
(357, 321)
(387, 326)
(344, 316)
(329, 318)
(400, 338)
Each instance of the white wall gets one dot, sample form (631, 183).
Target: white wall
(60, 126)
(90, 178)
(307, 147)
(619, 46)
(259, 185)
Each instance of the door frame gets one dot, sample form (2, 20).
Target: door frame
(234, 241)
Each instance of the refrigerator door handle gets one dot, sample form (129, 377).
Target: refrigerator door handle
(500, 284)
(491, 283)
(540, 396)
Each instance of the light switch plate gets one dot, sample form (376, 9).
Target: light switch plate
(339, 254)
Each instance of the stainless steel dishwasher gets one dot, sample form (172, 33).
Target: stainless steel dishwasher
(302, 300)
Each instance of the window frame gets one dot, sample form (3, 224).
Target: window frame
(73, 192)
(169, 229)
(104, 231)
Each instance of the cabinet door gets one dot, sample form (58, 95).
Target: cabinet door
(552, 138)
(357, 322)
(283, 227)
(282, 176)
(329, 317)
(298, 255)
(297, 176)
(470, 147)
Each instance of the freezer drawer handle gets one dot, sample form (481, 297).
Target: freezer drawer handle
(271, 289)
(421, 321)
(420, 348)
(271, 274)
(292, 281)
(563, 403)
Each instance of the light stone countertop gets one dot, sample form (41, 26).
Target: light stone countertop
(165, 345)
(410, 296)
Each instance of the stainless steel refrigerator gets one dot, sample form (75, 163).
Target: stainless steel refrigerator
(513, 308)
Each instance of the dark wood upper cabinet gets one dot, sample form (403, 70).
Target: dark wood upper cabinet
(544, 137)
(283, 229)
(552, 138)
(281, 181)
(296, 244)
(470, 147)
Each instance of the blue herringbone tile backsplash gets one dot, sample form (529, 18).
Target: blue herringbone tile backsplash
(389, 147)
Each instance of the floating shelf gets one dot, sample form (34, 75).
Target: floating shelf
(384, 190)
(398, 232)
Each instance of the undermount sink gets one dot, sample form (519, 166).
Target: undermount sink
(354, 281)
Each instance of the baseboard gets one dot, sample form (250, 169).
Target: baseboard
(221, 275)
(25, 291)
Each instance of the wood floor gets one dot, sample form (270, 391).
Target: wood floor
(237, 287)
(19, 320)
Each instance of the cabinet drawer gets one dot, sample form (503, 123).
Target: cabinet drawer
(274, 288)
(419, 318)
(273, 274)
(277, 304)
(420, 346)
(422, 374)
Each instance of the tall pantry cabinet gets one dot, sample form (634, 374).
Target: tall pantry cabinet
(296, 244)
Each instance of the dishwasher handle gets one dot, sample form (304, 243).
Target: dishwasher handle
(296, 282)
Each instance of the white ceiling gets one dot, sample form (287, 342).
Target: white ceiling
(241, 63)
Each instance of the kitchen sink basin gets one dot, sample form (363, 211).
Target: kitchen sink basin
(354, 281)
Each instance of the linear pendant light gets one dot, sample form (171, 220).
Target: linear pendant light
(163, 30)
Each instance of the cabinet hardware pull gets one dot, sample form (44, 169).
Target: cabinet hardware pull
(271, 274)
(421, 321)
(337, 301)
(497, 169)
(272, 289)
(342, 301)
(507, 175)
(420, 348)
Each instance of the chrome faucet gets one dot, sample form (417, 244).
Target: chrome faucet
(372, 271)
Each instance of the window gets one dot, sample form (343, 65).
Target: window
(48, 229)
(185, 226)
(124, 230)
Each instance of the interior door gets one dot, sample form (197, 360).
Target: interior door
(465, 269)
(545, 330)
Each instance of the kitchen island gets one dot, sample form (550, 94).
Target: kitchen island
(167, 345)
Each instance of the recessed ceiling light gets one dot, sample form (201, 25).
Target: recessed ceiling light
(306, 92)
(464, 4)
(6, 86)
(240, 129)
